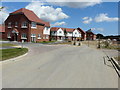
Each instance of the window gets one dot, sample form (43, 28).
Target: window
(53, 32)
(39, 37)
(33, 35)
(47, 37)
(9, 25)
(24, 24)
(47, 28)
(75, 33)
(33, 25)
(23, 36)
(60, 32)
(70, 32)
(8, 35)
(43, 37)
(16, 24)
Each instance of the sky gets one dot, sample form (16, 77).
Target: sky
(100, 17)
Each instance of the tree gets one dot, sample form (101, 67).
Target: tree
(1, 8)
(99, 36)
(65, 33)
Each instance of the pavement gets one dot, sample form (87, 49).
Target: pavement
(111, 53)
(59, 66)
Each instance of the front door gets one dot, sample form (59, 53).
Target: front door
(14, 37)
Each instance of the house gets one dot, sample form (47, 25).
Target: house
(57, 33)
(2, 31)
(25, 25)
(90, 35)
(60, 34)
(83, 34)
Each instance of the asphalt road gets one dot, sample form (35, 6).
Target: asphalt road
(59, 66)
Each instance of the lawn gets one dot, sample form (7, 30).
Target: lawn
(46, 42)
(6, 45)
(11, 53)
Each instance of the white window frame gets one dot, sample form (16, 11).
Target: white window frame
(24, 36)
(47, 37)
(24, 24)
(9, 24)
(60, 31)
(33, 25)
(33, 35)
(8, 35)
(39, 36)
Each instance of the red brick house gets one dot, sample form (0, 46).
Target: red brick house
(90, 35)
(2, 32)
(24, 24)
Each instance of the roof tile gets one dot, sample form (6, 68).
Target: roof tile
(31, 16)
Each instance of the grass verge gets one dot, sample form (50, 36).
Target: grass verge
(46, 42)
(6, 45)
(11, 53)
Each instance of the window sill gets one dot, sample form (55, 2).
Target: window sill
(8, 37)
(23, 38)
(23, 27)
(9, 27)
(33, 36)
(34, 27)
(39, 38)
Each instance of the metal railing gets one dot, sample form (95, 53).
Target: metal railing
(115, 65)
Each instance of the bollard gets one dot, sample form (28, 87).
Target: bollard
(73, 43)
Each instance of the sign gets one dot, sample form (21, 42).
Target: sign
(22, 41)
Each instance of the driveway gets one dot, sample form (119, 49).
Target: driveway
(59, 66)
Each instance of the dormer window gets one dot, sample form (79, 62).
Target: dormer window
(16, 24)
(9, 25)
(24, 24)
(33, 25)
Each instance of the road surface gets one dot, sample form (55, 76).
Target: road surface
(59, 66)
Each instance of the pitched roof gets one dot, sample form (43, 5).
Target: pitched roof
(89, 31)
(31, 16)
(81, 30)
(2, 28)
(67, 29)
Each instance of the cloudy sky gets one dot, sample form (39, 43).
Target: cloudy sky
(101, 17)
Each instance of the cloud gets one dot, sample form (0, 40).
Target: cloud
(103, 17)
(47, 13)
(75, 3)
(87, 20)
(58, 24)
(3, 15)
(97, 29)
